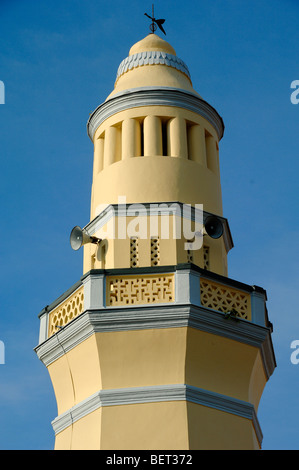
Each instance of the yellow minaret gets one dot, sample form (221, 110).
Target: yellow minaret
(155, 347)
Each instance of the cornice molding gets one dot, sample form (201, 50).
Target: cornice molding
(155, 394)
(154, 96)
(148, 317)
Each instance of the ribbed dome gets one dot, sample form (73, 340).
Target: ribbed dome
(152, 42)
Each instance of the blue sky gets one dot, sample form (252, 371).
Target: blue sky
(58, 61)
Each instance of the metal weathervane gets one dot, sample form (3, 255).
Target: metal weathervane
(155, 22)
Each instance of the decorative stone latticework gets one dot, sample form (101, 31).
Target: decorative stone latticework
(225, 299)
(133, 290)
(66, 311)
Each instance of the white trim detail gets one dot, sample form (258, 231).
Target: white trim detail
(154, 394)
(158, 316)
(150, 58)
(94, 291)
(154, 96)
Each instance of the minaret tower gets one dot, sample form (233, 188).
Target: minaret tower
(155, 347)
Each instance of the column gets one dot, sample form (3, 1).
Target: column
(109, 146)
(187, 287)
(43, 329)
(152, 136)
(131, 138)
(258, 308)
(177, 137)
(98, 155)
(94, 291)
(112, 145)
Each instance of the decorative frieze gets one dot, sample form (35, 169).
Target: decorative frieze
(150, 58)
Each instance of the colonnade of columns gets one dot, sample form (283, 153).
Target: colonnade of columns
(155, 136)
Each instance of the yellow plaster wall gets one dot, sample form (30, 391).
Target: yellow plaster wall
(153, 426)
(87, 431)
(63, 440)
(152, 42)
(133, 427)
(117, 360)
(156, 178)
(76, 375)
(142, 357)
(61, 378)
(147, 357)
(211, 429)
(84, 362)
(224, 366)
(258, 382)
(84, 434)
(151, 75)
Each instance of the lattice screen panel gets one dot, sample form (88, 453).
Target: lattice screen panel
(134, 290)
(67, 311)
(225, 299)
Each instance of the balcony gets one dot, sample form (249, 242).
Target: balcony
(154, 298)
(167, 286)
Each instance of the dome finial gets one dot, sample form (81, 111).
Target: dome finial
(155, 22)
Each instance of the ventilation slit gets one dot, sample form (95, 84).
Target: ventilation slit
(134, 261)
(155, 251)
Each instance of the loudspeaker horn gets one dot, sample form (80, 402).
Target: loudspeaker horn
(80, 237)
(213, 227)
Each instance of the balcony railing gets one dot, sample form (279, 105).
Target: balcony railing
(171, 285)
